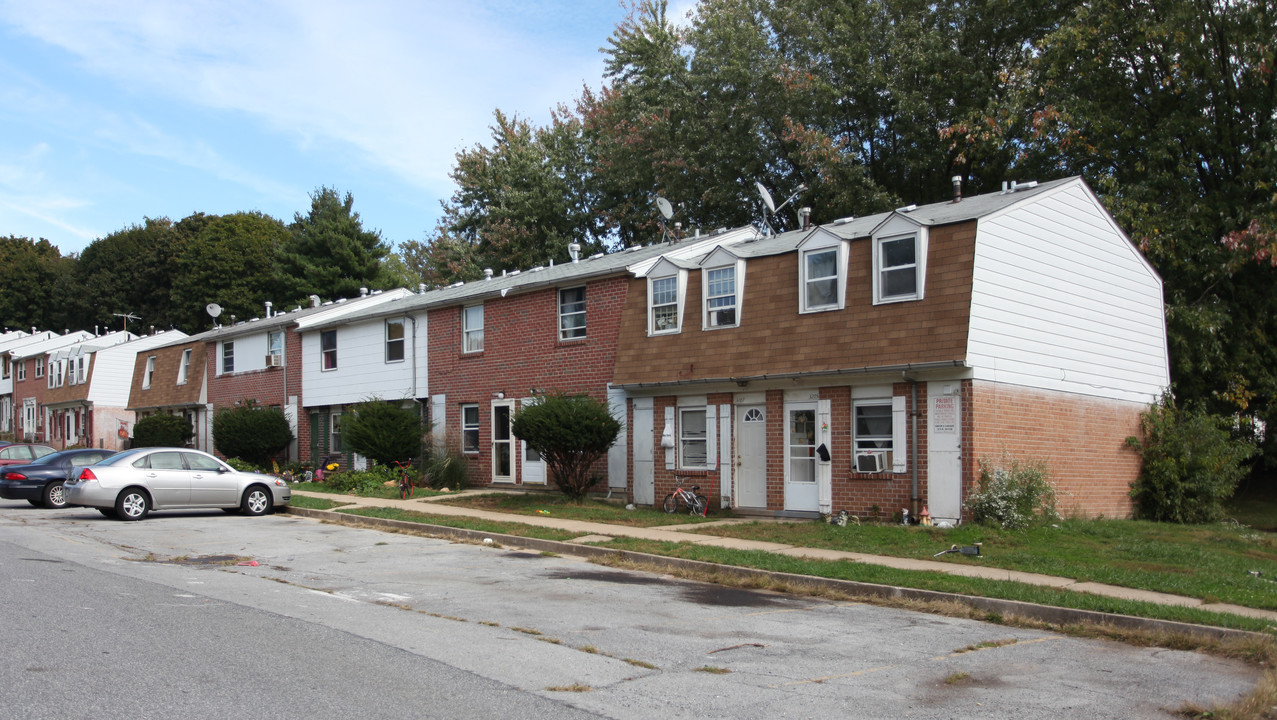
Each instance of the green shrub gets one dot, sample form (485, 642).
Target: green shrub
(1192, 464)
(251, 433)
(162, 431)
(570, 432)
(1013, 494)
(242, 465)
(383, 432)
(361, 482)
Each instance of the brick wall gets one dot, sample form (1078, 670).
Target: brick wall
(1082, 440)
(522, 351)
(267, 387)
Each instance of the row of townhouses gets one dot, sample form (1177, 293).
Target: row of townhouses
(869, 364)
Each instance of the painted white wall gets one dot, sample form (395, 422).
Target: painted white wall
(362, 371)
(250, 351)
(1061, 300)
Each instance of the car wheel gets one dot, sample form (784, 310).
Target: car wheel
(257, 501)
(55, 496)
(109, 512)
(132, 504)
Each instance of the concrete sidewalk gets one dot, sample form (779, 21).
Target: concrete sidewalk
(590, 532)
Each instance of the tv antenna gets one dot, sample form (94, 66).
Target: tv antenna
(127, 317)
(771, 207)
(214, 310)
(667, 212)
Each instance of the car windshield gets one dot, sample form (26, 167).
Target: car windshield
(122, 456)
(51, 459)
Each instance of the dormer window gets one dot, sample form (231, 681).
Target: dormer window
(664, 304)
(720, 297)
(822, 270)
(897, 263)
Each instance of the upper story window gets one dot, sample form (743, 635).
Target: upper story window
(275, 343)
(5, 365)
(39, 367)
(22, 370)
(149, 373)
(820, 279)
(720, 297)
(183, 370)
(82, 371)
(664, 304)
(328, 350)
(896, 259)
(395, 340)
(470, 428)
(228, 356)
(572, 313)
(472, 329)
(693, 440)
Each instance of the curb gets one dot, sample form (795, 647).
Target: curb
(1042, 613)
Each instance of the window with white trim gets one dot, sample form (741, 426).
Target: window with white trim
(22, 369)
(821, 279)
(395, 340)
(720, 297)
(275, 343)
(183, 370)
(327, 350)
(872, 429)
(39, 367)
(663, 304)
(693, 439)
(472, 329)
(470, 428)
(149, 373)
(572, 313)
(228, 356)
(896, 259)
(334, 433)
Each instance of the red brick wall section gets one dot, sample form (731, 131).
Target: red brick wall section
(522, 351)
(1082, 440)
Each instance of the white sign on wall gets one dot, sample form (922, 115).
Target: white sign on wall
(944, 415)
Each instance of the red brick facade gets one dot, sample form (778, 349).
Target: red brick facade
(269, 387)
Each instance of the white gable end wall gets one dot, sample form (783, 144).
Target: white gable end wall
(1061, 300)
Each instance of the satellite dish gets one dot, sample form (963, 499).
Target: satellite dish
(767, 197)
(213, 309)
(667, 210)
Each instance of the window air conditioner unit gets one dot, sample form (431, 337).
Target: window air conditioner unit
(274, 361)
(869, 463)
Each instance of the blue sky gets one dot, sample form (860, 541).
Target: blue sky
(112, 111)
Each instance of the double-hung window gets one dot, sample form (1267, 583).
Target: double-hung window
(472, 329)
(275, 343)
(328, 350)
(820, 279)
(664, 298)
(897, 261)
(395, 340)
(184, 370)
(39, 367)
(720, 297)
(228, 356)
(572, 313)
(334, 433)
(873, 429)
(693, 440)
(22, 369)
(149, 374)
(470, 428)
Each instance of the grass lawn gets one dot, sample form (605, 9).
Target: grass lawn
(1209, 562)
(314, 503)
(557, 505)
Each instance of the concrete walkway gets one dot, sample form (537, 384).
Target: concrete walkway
(590, 532)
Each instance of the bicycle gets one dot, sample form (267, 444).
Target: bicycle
(406, 489)
(696, 504)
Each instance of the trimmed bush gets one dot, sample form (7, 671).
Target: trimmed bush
(383, 432)
(1192, 464)
(251, 433)
(1013, 494)
(570, 432)
(162, 431)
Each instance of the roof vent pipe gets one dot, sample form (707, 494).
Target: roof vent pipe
(314, 301)
(487, 273)
(804, 218)
(421, 288)
(678, 231)
(574, 249)
(269, 305)
(363, 292)
(1004, 187)
(957, 188)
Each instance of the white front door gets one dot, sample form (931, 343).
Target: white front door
(644, 459)
(944, 451)
(751, 456)
(801, 492)
(502, 441)
(533, 465)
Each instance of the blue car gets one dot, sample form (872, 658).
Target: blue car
(41, 481)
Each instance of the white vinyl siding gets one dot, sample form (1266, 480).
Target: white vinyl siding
(1075, 309)
(363, 371)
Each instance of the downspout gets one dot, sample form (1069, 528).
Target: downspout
(915, 502)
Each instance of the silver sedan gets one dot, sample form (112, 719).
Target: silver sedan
(131, 484)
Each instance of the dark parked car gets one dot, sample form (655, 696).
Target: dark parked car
(40, 482)
(23, 453)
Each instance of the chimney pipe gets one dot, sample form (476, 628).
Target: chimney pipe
(269, 305)
(957, 188)
(574, 249)
(421, 288)
(314, 301)
(678, 231)
(804, 218)
(487, 273)
(363, 292)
